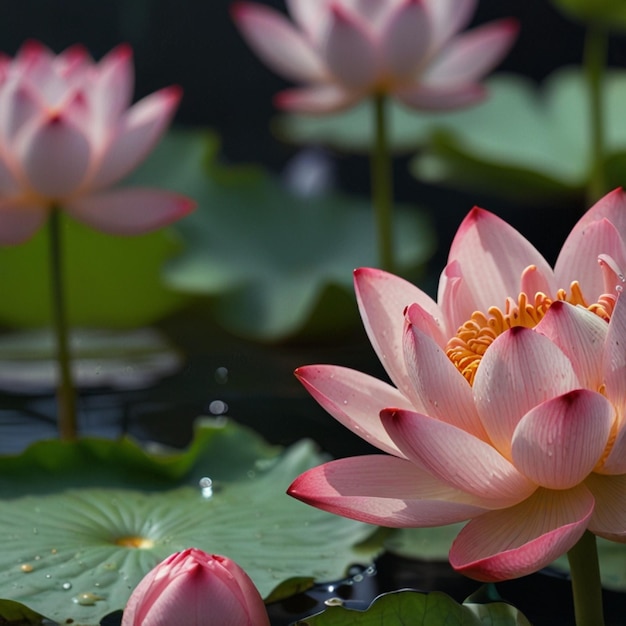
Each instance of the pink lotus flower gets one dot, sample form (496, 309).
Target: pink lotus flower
(345, 50)
(192, 588)
(509, 404)
(67, 134)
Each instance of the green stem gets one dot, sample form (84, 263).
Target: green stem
(66, 394)
(586, 585)
(596, 43)
(382, 186)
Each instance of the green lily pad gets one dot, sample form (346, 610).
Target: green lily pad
(131, 359)
(430, 544)
(433, 544)
(77, 553)
(270, 259)
(112, 282)
(353, 130)
(16, 614)
(426, 609)
(523, 141)
(609, 13)
(527, 141)
(612, 557)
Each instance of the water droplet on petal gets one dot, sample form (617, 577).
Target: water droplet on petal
(333, 602)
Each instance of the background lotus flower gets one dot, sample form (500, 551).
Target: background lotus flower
(509, 402)
(345, 50)
(67, 134)
(193, 588)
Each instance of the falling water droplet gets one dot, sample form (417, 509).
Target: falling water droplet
(66, 586)
(86, 599)
(221, 375)
(218, 407)
(206, 487)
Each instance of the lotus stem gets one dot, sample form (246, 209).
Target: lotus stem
(596, 43)
(66, 394)
(586, 584)
(382, 185)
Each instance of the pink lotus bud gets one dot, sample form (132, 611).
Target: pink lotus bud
(193, 588)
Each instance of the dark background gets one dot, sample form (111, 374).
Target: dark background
(194, 43)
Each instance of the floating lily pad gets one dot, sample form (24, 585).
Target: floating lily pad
(266, 256)
(528, 141)
(427, 609)
(433, 544)
(609, 13)
(612, 557)
(524, 141)
(353, 130)
(430, 544)
(77, 553)
(101, 358)
(112, 282)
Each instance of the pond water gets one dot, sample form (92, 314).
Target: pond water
(254, 385)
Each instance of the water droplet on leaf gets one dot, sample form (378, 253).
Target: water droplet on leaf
(86, 599)
(206, 487)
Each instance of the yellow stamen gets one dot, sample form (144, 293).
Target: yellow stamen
(142, 543)
(473, 338)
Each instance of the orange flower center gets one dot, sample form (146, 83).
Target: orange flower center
(471, 341)
(135, 541)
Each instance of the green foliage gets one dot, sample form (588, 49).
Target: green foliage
(100, 514)
(609, 13)
(524, 142)
(431, 544)
(118, 359)
(112, 282)
(402, 608)
(272, 262)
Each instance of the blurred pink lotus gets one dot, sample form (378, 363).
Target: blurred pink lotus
(192, 588)
(67, 134)
(345, 50)
(509, 405)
